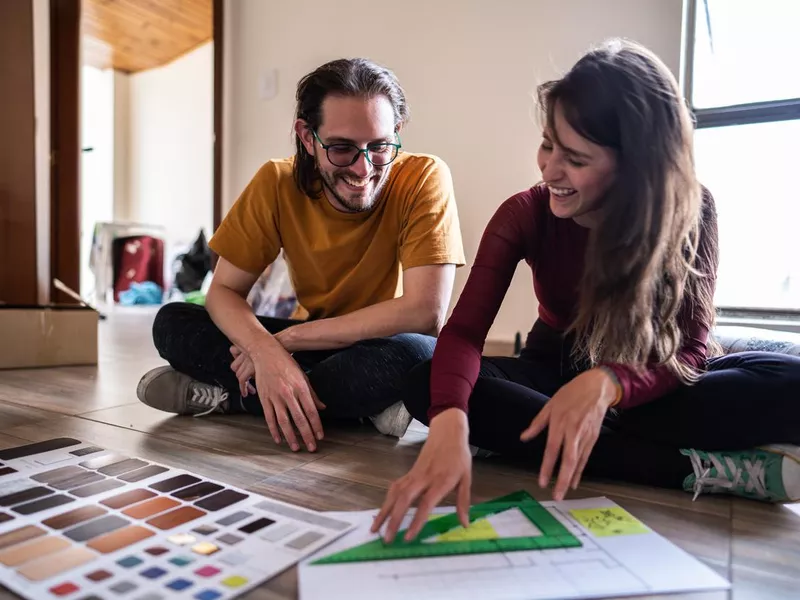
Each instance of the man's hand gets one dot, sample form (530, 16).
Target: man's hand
(574, 417)
(444, 463)
(244, 369)
(286, 396)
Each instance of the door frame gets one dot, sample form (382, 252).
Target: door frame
(65, 152)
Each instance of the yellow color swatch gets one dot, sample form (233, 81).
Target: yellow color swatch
(234, 581)
(605, 522)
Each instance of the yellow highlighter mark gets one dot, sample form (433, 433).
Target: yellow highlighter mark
(605, 522)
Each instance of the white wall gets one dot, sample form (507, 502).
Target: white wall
(122, 136)
(97, 166)
(469, 67)
(170, 149)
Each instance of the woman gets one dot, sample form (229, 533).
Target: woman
(618, 375)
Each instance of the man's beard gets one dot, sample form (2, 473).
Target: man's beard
(329, 181)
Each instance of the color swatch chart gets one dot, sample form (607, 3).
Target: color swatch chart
(78, 521)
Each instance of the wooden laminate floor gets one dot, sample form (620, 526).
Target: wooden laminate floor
(757, 546)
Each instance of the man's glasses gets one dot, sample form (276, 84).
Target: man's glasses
(343, 155)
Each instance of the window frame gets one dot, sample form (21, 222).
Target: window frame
(731, 115)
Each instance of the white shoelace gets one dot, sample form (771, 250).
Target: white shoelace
(209, 396)
(703, 479)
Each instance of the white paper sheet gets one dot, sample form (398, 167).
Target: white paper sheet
(615, 565)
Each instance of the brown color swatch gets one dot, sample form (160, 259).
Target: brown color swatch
(23, 534)
(7, 471)
(150, 508)
(44, 504)
(93, 529)
(120, 539)
(99, 575)
(4, 517)
(58, 563)
(56, 475)
(176, 517)
(221, 500)
(73, 517)
(197, 491)
(96, 488)
(37, 448)
(84, 478)
(140, 474)
(174, 483)
(19, 555)
(25, 496)
(128, 498)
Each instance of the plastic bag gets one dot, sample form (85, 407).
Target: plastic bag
(273, 294)
(193, 266)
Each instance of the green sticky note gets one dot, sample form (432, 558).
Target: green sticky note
(605, 522)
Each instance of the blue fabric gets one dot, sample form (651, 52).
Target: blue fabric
(146, 292)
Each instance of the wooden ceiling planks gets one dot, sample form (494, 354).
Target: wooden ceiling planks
(135, 35)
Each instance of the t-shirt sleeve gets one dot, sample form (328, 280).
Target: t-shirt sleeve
(457, 357)
(431, 232)
(640, 386)
(248, 236)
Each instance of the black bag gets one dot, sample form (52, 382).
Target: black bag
(193, 266)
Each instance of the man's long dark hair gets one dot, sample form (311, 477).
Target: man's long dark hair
(354, 77)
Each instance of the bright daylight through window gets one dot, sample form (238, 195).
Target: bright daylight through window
(743, 82)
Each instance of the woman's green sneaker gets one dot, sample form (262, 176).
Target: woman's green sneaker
(770, 473)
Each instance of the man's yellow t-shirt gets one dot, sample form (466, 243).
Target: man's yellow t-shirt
(341, 262)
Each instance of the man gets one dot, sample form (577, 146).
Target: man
(372, 240)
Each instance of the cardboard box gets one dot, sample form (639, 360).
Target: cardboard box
(47, 336)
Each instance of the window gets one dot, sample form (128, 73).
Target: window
(742, 78)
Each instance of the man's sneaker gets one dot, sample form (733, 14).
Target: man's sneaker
(770, 473)
(166, 389)
(393, 421)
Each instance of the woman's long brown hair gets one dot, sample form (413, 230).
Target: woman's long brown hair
(642, 259)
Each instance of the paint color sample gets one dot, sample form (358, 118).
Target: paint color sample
(174, 483)
(24, 496)
(123, 587)
(234, 518)
(235, 581)
(221, 500)
(85, 451)
(150, 508)
(44, 504)
(257, 525)
(141, 474)
(19, 555)
(205, 530)
(301, 541)
(23, 534)
(234, 559)
(4, 517)
(230, 539)
(58, 563)
(127, 498)
(153, 573)
(119, 539)
(56, 475)
(207, 571)
(208, 595)
(91, 530)
(122, 467)
(181, 561)
(276, 534)
(96, 488)
(182, 539)
(99, 575)
(205, 548)
(175, 518)
(7, 471)
(151, 596)
(73, 517)
(102, 461)
(37, 448)
(156, 551)
(129, 562)
(179, 585)
(64, 589)
(197, 491)
(83, 478)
